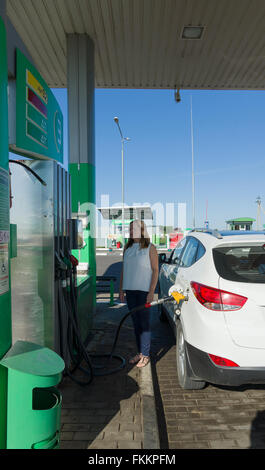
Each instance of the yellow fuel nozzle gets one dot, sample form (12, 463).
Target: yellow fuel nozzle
(178, 297)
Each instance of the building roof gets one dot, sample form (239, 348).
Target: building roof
(140, 44)
(241, 219)
(130, 212)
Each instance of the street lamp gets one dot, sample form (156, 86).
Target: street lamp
(123, 139)
(192, 162)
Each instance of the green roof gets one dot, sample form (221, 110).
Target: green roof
(241, 219)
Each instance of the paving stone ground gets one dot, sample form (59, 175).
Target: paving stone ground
(213, 418)
(107, 413)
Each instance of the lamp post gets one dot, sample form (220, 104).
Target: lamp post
(192, 162)
(123, 139)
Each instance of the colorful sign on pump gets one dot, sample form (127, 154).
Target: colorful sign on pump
(39, 120)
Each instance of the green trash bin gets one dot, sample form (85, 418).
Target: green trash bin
(31, 373)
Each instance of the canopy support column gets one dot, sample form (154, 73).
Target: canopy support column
(81, 122)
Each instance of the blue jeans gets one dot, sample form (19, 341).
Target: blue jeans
(141, 320)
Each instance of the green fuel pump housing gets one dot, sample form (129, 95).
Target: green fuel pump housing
(33, 400)
(5, 296)
(30, 403)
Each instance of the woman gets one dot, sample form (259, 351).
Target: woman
(138, 279)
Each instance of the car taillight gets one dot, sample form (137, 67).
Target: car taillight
(216, 299)
(222, 361)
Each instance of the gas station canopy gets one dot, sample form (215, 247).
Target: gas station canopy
(132, 212)
(197, 44)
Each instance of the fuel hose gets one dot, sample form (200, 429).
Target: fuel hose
(18, 162)
(76, 346)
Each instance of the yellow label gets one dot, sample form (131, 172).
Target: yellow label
(177, 296)
(37, 87)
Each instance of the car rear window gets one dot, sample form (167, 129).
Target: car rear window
(244, 263)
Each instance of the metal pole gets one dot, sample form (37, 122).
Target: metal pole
(192, 157)
(122, 188)
(122, 174)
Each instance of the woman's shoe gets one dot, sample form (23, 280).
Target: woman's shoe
(143, 361)
(135, 359)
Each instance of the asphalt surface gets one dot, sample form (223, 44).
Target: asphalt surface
(213, 418)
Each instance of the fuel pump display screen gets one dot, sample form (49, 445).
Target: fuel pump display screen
(39, 120)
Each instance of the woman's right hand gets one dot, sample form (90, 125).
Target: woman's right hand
(122, 299)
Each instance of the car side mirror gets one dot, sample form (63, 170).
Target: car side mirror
(162, 258)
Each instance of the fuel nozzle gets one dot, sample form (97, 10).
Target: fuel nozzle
(179, 297)
(177, 293)
(60, 269)
(60, 264)
(66, 260)
(74, 261)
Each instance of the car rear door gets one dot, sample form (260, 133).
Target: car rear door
(188, 258)
(242, 272)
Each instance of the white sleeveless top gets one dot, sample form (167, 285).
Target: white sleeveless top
(137, 271)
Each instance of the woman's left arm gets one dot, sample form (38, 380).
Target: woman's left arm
(155, 271)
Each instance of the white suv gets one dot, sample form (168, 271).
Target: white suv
(220, 332)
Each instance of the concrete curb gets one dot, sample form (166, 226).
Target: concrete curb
(148, 411)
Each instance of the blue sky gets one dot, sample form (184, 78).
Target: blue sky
(229, 149)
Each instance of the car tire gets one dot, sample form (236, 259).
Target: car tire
(182, 363)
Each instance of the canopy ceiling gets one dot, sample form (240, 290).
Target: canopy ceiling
(139, 44)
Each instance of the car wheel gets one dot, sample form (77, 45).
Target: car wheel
(182, 366)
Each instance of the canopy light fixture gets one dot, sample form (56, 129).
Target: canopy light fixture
(192, 32)
(177, 95)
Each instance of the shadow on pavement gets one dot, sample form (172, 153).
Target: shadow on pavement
(113, 270)
(163, 340)
(257, 433)
(94, 415)
(106, 413)
(241, 388)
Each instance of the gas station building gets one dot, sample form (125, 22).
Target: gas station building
(241, 223)
(116, 220)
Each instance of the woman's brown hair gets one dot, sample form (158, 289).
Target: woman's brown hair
(144, 240)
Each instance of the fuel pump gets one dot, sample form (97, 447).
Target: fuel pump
(66, 273)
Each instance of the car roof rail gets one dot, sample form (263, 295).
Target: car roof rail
(214, 232)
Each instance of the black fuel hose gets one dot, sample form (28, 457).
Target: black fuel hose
(30, 170)
(136, 309)
(94, 369)
(80, 354)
